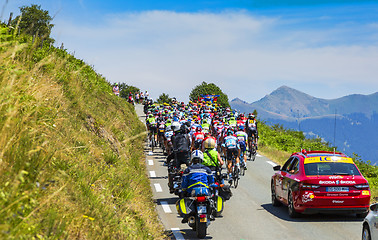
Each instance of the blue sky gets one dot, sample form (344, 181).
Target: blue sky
(327, 49)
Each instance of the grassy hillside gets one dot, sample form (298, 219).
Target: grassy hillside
(71, 155)
(279, 143)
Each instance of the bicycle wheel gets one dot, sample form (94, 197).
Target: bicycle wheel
(236, 176)
(152, 143)
(242, 170)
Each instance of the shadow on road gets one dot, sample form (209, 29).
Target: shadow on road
(187, 234)
(282, 213)
(172, 200)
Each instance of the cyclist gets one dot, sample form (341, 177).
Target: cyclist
(205, 126)
(167, 139)
(242, 140)
(232, 122)
(151, 126)
(232, 149)
(197, 138)
(251, 129)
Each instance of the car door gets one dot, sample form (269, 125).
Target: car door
(289, 181)
(280, 180)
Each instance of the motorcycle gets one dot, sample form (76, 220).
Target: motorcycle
(174, 179)
(199, 209)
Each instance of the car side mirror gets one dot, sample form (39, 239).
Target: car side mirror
(277, 168)
(373, 207)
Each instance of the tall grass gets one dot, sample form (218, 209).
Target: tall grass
(70, 166)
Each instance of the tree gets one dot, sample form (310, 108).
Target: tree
(164, 98)
(211, 88)
(35, 21)
(125, 89)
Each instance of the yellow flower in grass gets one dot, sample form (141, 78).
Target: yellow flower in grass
(90, 218)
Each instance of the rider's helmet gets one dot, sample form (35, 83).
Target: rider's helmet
(198, 129)
(175, 126)
(168, 128)
(150, 115)
(209, 143)
(241, 128)
(197, 156)
(230, 132)
(251, 116)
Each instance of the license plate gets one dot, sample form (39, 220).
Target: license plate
(203, 220)
(337, 189)
(201, 209)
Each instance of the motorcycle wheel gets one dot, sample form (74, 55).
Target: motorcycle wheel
(201, 228)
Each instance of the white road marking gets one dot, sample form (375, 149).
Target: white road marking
(152, 174)
(177, 233)
(158, 187)
(271, 163)
(165, 207)
(150, 162)
(258, 155)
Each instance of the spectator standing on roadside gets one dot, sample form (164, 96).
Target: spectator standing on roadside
(137, 97)
(141, 96)
(146, 95)
(116, 89)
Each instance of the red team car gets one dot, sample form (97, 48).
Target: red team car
(320, 182)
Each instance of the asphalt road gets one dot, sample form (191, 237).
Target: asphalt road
(249, 213)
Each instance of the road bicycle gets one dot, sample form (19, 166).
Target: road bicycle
(242, 166)
(235, 173)
(252, 148)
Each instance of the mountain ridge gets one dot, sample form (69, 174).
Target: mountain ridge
(355, 117)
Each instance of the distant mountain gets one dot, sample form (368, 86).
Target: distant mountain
(356, 118)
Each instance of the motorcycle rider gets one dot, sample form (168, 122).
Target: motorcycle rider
(211, 157)
(196, 175)
(181, 145)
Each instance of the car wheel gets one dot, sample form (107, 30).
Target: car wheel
(366, 233)
(291, 209)
(275, 201)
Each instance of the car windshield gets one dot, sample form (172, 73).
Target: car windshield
(331, 168)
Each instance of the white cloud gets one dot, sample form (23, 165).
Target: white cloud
(246, 56)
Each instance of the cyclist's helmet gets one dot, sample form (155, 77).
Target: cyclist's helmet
(230, 132)
(150, 115)
(198, 129)
(209, 143)
(168, 128)
(197, 156)
(241, 128)
(251, 116)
